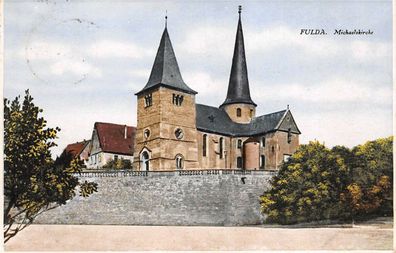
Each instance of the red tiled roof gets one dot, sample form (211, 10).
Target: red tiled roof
(112, 138)
(75, 149)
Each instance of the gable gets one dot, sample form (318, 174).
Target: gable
(288, 122)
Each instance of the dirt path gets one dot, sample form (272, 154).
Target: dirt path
(83, 238)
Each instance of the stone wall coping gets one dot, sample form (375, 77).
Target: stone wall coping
(134, 173)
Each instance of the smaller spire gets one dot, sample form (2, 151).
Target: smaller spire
(239, 10)
(287, 107)
(166, 18)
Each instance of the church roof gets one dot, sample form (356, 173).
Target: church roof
(214, 120)
(165, 71)
(238, 86)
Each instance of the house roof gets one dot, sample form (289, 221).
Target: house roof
(238, 86)
(165, 71)
(76, 148)
(112, 138)
(214, 120)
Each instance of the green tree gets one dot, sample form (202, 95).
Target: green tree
(370, 192)
(119, 164)
(32, 184)
(318, 183)
(307, 187)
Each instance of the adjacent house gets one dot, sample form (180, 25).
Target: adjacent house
(74, 150)
(110, 141)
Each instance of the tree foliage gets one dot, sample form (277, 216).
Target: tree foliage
(306, 187)
(119, 164)
(32, 184)
(370, 192)
(317, 183)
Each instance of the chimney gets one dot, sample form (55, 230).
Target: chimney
(125, 131)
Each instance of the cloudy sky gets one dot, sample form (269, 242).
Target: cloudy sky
(84, 60)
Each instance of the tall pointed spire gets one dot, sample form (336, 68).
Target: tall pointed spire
(165, 71)
(238, 86)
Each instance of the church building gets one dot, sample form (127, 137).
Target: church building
(174, 133)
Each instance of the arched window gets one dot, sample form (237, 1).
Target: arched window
(239, 112)
(239, 162)
(179, 162)
(204, 140)
(221, 147)
(263, 142)
(289, 135)
(262, 162)
(239, 145)
(145, 161)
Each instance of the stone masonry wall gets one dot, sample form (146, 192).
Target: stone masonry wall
(212, 197)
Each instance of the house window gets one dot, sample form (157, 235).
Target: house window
(239, 162)
(262, 142)
(177, 99)
(115, 157)
(179, 162)
(221, 147)
(204, 140)
(239, 112)
(239, 144)
(148, 100)
(289, 135)
(286, 157)
(262, 162)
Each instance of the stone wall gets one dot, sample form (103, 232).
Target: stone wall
(211, 197)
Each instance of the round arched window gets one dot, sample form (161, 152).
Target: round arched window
(179, 162)
(146, 133)
(179, 134)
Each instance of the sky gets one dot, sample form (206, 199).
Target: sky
(83, 61)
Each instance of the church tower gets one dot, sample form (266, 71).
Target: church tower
(166, 117)
(238, 104)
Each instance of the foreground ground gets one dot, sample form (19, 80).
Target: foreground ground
(119, 238)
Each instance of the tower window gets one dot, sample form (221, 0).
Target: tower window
(239, 144)
(262, 161)
(179, 134)
(239, 162)
(221, 147)
(177, 99)
(262, 142)
(251, 113)
(179, 162)
(239, 112)
(289, 135)
(273, 149)
(204, 139)
(148, 100)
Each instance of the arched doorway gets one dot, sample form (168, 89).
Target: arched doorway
(145, 161)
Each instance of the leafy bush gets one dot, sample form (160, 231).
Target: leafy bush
(317, 183)
(120, 164)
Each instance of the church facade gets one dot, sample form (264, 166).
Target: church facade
(174, 132)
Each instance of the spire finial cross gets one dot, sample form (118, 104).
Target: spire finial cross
(166, 18)
(239, 10)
